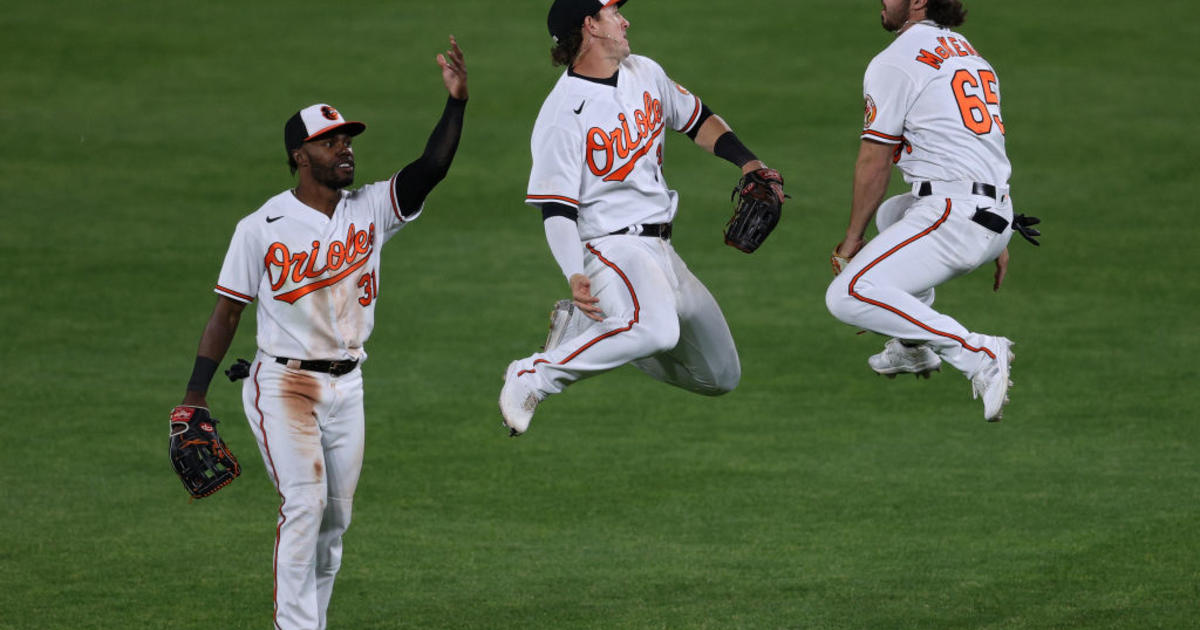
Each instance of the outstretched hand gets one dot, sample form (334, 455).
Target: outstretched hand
(454, 70)
(581, 293)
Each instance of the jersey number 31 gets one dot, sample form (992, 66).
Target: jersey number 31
(974, 109)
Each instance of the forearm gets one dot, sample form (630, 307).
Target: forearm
(562, 235)
(214, 343)
(419, 177)
(871, 174)
(717, 137)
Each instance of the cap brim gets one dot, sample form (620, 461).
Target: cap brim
(351, 128)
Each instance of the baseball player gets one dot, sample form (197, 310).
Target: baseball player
(932, 106)
(310, 257)
(597, 178)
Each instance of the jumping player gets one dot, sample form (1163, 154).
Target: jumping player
(597, 179)
(310, 257)
(932, 106)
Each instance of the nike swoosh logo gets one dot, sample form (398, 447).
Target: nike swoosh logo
(581, 106)
(273, 219)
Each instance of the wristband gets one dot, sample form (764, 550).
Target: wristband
(202, 374)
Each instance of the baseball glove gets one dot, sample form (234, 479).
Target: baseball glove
(1024, 226)
(199, 455)
(758, 205)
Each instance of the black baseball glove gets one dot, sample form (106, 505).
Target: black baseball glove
(758, 204)
(1024, 226)
(199, 455)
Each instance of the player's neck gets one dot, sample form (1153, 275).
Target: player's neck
(912, 19)
(317, 196)
(594, 65)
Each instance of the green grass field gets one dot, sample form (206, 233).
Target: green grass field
(815, 496)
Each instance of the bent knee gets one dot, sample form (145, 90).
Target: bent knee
(838, 300)
(727, 381)
(654, 337)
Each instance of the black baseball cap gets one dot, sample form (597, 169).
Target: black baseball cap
(566, 15)
(315, 121)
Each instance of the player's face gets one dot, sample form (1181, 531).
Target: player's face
(894, 14)
(611, 34)
(331, 160)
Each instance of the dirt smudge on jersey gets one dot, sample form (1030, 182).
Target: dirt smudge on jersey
(350, 311)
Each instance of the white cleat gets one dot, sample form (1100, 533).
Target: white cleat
(566, 321)
(992, 381)
(518, 401)
(898, 358)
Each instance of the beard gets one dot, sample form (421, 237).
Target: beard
(331, 177)
(894, 20)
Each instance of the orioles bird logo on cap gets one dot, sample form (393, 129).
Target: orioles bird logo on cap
(329, 112)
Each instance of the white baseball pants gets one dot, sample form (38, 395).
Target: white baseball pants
(309, 428)
(658, 316)
(888, 288)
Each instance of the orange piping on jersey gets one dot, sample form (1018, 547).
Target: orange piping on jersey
(862, 298)
(395, 202)
(262, 430)
(637, 309)
(234, 294)
(882, 136)
(568, 200)
(695, 111)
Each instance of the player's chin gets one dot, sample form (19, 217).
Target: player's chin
(337, 179)
(342, 177)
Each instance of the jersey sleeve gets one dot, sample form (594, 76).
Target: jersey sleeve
(887, 96)
(681, 108)
(242, 270)
(380, 197)
(557, 166)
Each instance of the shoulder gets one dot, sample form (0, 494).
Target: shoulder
(924, 49)
(272, 206)
(257, 222)
(638, 64)
(556, 110)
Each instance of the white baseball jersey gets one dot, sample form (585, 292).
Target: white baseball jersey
(599, 148)
(931, 94)
(316, 278)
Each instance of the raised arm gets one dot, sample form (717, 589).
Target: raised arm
(420, 176)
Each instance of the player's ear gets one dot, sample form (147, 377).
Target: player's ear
(300, 157)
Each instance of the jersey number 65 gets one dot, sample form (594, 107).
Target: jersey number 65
(974, 110)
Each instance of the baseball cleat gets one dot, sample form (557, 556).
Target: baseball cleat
(992, 381)
(566, 321)
(898, 358)
(518, 401)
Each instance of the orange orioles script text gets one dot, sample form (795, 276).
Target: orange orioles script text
(341, 259)
(605, 149)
